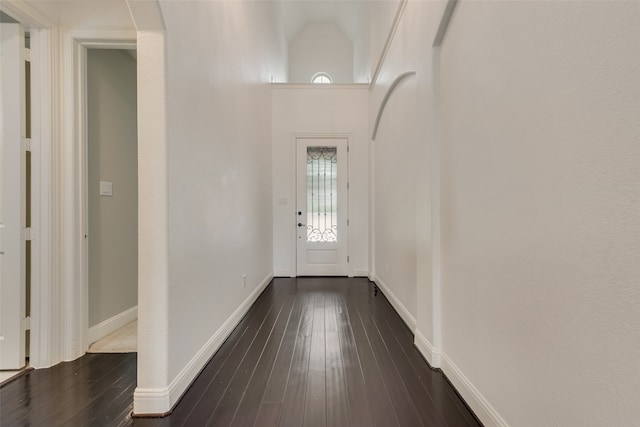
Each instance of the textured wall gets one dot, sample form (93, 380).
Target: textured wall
(219, 159)
(541, 195)
(535, 107)
(402, 169)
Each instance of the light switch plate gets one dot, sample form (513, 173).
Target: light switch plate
(106, 188)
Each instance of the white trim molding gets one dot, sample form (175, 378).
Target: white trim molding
(387, 44)
(472, 396)
(151, 401)
(284, 273)
(404, 313)
(26, 14)
(45, 323)
(428, 351)
(112, 324)
(316, 86)
(160, 401)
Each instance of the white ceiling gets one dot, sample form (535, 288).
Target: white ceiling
(348, 15)
(353, 17)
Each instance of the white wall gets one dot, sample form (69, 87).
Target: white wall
(396, 166)
(363, 62)
(321, 46)
(113, 156)
(319, 110)
(402, 166)
(540, 170)
(541, 195)
(382, 14)
(219, 161)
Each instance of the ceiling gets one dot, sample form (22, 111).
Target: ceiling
(353, 17)
(6, 19)
(349, 15)
(85, 13)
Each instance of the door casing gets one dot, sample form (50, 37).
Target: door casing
(341, 250)
(13, 202)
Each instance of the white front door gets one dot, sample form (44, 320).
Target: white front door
(321, 217)
(12, 199)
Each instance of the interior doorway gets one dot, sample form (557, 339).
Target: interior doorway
(321, 216)
(111, 199)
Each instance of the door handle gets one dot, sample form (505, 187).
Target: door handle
(301, 224)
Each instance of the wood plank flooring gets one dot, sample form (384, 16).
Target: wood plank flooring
(310, 352)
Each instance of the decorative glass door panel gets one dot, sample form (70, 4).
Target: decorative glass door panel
(321, 220)
(322, 194)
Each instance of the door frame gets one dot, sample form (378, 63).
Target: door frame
(294, 190)
(73, 178)
(13, 273)
(45, 324)
(59, 300)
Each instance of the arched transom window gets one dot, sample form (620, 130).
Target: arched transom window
(321, 77)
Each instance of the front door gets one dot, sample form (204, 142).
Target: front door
(321, 219)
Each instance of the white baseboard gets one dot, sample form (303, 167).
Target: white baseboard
(360, 273)
(476, 401)
(152, 401)
(283, 273)
(182, 381)
(103, 329)
(428, 351)
(399, 307)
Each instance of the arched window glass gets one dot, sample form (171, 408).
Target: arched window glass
(321, 78)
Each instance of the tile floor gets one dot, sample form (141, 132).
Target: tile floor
(124, 340)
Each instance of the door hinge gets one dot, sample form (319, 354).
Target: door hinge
(26, 323)
(347, 185)
(26, 54)
(26, 144)
(347, 258)
(347, 222)
(27, 234)
(347, 148)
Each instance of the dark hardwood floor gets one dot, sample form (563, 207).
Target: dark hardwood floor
(310, 352)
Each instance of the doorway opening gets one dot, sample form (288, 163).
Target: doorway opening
(111, 200)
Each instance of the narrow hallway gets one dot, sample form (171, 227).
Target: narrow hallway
(311, 351)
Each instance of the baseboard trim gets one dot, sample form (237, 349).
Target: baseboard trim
(151, 402)
(188, 374)
(116, 322)
(406, 316)
(428, 351)
(284, 273)
(360, 273)
(472, 396)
